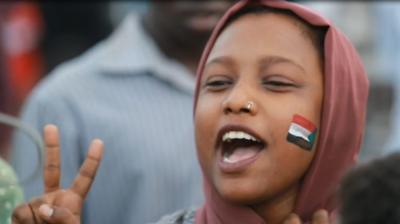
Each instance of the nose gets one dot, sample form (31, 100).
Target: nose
(239, 101)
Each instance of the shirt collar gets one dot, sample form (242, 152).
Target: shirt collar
(130, 50)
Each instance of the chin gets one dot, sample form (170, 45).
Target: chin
(239, 193)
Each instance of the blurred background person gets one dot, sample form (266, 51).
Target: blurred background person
(359, 21)
(21, 26)
(370, 193)
(34, 38)
(10, 192)
(22, 30)
(71, 28)
(387, 47)
(133, 90)
(4, 87)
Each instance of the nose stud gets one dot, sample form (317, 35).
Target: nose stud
(249, 105)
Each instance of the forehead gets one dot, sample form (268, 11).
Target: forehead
(273, 34)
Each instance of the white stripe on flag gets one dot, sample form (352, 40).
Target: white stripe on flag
(299, 131)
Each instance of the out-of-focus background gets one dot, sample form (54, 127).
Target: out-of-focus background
(35, 37)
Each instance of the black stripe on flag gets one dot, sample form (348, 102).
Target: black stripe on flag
(299, 141)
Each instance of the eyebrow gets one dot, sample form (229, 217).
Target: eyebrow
(264, 62)
(225, 60)
(268, 61)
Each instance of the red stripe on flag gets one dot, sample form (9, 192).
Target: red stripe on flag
(304, 122)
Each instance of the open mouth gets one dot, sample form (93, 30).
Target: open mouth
(238, 148)
(238, 145)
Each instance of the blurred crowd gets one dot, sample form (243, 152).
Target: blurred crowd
(36, 37)
(373, 28)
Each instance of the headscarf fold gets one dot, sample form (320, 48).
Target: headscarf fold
(342, 123)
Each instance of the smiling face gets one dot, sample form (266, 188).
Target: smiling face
(269, 61)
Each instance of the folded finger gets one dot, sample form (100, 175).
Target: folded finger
(52, 171)
(25, 214)
(87, 172)
(59, 215)
(320, 217)
(22, 215)
(292, 219)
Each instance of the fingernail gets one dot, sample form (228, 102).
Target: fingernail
(46, 210)
(98, 141)
(50, 126)
(96, 148)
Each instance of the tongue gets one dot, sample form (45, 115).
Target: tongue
(240, 154)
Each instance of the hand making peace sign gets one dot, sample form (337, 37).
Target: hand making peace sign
(56, 205)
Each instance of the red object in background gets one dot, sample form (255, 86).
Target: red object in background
(21, 63)
(22, 30)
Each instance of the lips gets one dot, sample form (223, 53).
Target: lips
(237, 148)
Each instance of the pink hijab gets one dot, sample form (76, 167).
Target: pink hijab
(342, 124)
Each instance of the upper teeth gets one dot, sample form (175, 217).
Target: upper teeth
(237, 135)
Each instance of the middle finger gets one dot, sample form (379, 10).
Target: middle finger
(52, 170)
(88, 170)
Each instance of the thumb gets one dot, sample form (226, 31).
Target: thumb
(59, 215)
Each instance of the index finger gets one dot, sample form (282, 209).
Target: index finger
(87, 172)
(52, 172)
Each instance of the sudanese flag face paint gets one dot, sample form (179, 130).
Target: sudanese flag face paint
(302, 132)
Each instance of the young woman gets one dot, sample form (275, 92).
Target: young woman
(279, 115)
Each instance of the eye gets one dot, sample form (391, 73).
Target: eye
(218, 83)
(278, 84)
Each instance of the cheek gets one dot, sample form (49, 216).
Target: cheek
(284, 154)
(285, 163)
(290, 157)
(307, 103)
(206, 116)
